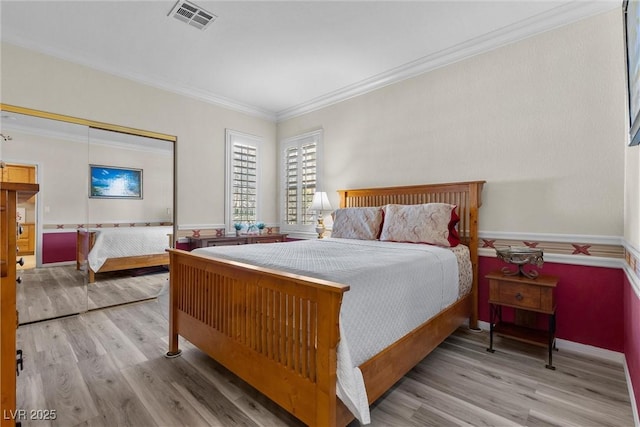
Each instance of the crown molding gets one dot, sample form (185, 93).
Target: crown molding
(87, 139)
(153, 81)
(552, 19)
(562, 15)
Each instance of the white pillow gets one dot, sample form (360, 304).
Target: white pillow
(432, 223)
(357, 223)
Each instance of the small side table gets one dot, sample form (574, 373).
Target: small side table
(525, 295)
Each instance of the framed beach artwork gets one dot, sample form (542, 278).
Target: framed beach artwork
(632, 42)
(108, 182)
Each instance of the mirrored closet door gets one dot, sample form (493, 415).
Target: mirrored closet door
(95, 184)
(53, 154)
(130, 217)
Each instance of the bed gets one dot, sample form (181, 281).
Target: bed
(113, 249)
(280, 330)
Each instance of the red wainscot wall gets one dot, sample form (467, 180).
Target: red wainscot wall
(590, 302)
(58, 247)
(632, 337)
(61, 247)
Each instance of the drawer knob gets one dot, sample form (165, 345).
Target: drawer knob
(519, 296)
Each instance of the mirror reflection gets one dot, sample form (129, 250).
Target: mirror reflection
(130, 199)
(96, 233)
(52, 154)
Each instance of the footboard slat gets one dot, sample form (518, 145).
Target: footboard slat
(275, 330)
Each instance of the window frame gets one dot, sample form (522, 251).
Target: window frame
(315, 136)
(232, 138)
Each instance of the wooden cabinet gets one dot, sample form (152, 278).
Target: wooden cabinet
(208, 241)
(19, 173)
(10, 195)
(27, 240)
(527, 296)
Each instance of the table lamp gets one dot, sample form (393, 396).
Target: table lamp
(320, 204)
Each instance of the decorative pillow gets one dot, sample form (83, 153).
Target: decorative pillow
(433, 223)
(357, 223)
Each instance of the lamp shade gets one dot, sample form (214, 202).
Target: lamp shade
(320, 202)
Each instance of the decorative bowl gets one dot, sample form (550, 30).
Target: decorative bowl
(521, 256)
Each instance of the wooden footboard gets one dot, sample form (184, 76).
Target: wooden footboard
(277, 331)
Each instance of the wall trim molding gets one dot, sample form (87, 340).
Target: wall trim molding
(587, 261)
(563, 15)
(576, 249)
(632, 267)
(551, 237)
(557, 17)
(190, 227)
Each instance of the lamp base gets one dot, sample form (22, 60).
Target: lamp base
(320, 228)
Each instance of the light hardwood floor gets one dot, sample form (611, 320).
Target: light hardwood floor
(50, 292)
(106, 368)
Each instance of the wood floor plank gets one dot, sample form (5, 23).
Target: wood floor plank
(114, 357)
(67, 393)
(112, 394)
(137, 330)
(180, 371)
(122, 351)
(82, 341)
(31, 397)
(163, 402)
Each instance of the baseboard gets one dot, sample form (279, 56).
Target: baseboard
(58, 264)
(632, 395)
(584, 349)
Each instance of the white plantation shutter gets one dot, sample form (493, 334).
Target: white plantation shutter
(301, 165)
(243, 183)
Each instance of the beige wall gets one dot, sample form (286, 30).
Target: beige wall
(62, 167)
(541, 120)
(41, 82)
(63, 174)
(632, 197)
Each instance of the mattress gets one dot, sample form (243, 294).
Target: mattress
(124, 242)
(394, 288)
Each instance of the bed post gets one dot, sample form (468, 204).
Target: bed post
(475, 190)
(328, 318)
(174, 351)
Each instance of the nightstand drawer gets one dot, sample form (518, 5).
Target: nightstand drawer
(520, 292)
(517, 295)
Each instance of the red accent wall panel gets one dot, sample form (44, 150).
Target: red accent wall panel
(58, 247)
(632, 337)
(590, 302)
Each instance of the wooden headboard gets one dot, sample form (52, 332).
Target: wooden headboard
(465, 195)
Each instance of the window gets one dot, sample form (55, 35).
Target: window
(300, 163)
(243, 183)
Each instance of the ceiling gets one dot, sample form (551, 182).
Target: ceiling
(279, 59)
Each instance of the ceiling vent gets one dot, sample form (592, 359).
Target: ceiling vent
(191, 14)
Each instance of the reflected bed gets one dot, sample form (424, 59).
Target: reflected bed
(113, 249)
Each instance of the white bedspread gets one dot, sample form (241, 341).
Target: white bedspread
(129, 241)
(394, 288)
